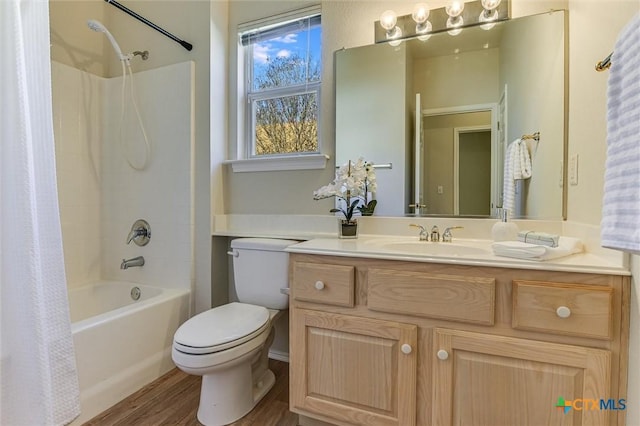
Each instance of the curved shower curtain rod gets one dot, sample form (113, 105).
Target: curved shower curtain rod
(142, 19)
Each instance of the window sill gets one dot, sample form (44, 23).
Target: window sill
(298, 162)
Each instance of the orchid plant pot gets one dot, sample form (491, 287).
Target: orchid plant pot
(348, 228)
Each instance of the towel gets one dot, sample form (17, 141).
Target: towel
(620, 226)
(517, 166)
(541, 238)
(520, 250)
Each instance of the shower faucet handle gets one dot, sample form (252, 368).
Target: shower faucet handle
(140, 233)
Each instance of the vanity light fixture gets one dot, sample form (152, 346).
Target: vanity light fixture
(489, 13)
(455, 20)
(423, 22)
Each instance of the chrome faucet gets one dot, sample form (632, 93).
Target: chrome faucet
(435, 234)
(424, 235)
(134, 261)
(447, 236)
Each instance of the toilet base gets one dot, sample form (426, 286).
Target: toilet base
(222, 408)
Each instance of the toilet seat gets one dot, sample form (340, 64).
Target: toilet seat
(221, 328)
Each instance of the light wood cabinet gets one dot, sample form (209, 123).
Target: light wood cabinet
(361, 371)
(384, 342)
(481, 379)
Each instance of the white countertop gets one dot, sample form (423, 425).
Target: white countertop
(373, 247)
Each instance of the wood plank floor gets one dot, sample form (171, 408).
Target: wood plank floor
(173, 400)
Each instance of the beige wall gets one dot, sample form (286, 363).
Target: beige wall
(357, 106)
(72, 42)
(535, 103)
(453, 80)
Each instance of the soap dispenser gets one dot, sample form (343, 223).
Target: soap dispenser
(504, 230)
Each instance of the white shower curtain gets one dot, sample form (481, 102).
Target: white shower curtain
(38, 378)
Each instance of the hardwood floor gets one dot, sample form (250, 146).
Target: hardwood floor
(173, 400)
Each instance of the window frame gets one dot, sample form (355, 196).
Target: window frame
(281, 92)
(246, 142)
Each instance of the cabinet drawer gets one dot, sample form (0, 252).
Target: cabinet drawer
(452, 297)
(561, 308)
(324, 283)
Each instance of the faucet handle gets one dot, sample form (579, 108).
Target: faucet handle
(447, 236)
(140, 233)
(424, 236)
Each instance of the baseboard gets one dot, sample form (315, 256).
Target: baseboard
(279, 355)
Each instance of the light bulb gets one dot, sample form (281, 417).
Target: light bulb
(424, 28)
(395, 37)
(455, 8)
(388, 20)
(420, 13)
(490, 4)
(454, 24)
(488, 18)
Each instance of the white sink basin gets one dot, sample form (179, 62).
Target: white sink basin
(424, 248)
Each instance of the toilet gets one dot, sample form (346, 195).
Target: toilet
(229, 345)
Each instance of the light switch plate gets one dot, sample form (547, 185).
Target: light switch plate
(573, 169)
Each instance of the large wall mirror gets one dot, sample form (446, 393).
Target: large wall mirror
(439, 117)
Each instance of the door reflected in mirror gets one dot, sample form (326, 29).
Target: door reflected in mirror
(458, 161)
(479, 92)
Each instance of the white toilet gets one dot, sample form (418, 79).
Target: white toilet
(228, 346)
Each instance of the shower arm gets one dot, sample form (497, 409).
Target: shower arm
(144, 20)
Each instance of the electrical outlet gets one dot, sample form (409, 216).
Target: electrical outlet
(440, 189)
(573, 170)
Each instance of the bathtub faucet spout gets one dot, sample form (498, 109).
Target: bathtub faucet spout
(134, 261)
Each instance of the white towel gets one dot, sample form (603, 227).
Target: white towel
(517, 166)
(520, 250)
(620, 224)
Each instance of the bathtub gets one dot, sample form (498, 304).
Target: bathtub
(121, 344)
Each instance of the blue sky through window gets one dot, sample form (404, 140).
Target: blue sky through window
(289, 46)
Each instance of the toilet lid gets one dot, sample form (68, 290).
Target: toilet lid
(225, 325)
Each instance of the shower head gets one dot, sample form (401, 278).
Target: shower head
(97, 26)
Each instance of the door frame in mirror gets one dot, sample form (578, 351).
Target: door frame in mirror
(496, 161)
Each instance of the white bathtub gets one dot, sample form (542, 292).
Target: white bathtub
(122, 344)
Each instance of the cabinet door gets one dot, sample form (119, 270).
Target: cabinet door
(482, 379)
(353, 370)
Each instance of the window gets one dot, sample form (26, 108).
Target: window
(282, 66)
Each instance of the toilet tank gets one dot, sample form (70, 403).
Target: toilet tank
(261, 270)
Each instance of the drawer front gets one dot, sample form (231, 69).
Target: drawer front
(324, 283)
(451, 297)
(561, 308)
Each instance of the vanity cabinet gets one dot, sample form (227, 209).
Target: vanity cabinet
(361, 371)
(385, 342)
(482, 379)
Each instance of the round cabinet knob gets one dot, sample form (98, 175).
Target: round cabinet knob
(319, 285)
(563, 312)
(406, 349)
(442, 354)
